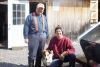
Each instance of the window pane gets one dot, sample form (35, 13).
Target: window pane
(23, 7)
(18, 14)
(23, 20)
(18, 21)
(18, 7)
(14, 21)
(14, 6)
(14, 14)
(23, 14)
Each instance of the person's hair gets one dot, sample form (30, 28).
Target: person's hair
(58, 27)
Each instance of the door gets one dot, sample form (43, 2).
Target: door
(17, 12)
(98, 10)
(3, 26)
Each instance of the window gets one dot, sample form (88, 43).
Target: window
(93, 11)
(18, 14)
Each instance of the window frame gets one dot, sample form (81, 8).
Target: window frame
(18, 20)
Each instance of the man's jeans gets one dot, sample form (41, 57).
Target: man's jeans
(58, 63)
(36, 45)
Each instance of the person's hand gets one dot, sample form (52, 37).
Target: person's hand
(61, 57)
(65, 53)
(26, 40)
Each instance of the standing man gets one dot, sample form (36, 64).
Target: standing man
(35, 34)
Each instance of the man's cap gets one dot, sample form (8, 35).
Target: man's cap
(40, 5)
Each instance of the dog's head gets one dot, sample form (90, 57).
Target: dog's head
(47, 58)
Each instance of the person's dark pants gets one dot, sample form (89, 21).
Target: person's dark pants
(58, 63)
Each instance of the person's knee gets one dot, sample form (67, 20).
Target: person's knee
(52, 64)
(55, 63)
(72, 57)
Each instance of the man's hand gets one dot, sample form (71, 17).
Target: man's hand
(26, 40)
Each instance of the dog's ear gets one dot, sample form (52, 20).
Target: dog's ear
(43, 53)
(50, 52)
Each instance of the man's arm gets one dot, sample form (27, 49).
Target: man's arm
(46, 27)
(26, 29)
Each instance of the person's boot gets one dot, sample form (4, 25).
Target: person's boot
(71, 64)
(30, 63)
(38, 63)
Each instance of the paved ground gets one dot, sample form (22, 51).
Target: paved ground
(18, 58)
(13, 58)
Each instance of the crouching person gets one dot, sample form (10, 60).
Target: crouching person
(63, 49)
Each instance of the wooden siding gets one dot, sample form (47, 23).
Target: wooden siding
(73, 16)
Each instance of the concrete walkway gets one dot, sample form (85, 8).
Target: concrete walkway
(18, 58)
(13, 58)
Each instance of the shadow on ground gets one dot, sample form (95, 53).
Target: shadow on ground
(76, 65)
(4, 64)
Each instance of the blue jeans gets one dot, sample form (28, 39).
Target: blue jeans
(36, 46)
(58, 63)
